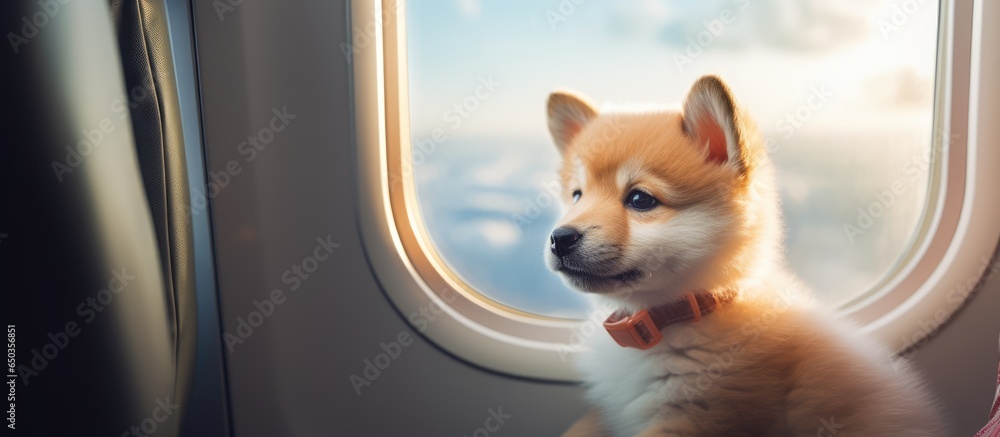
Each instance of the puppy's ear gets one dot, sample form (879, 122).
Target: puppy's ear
(567, 116)
(710, 119)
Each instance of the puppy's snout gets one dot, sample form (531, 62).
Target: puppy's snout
(564, 240)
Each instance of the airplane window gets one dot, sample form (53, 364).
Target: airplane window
(843, 93)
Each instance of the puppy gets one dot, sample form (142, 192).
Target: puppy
(672, 221)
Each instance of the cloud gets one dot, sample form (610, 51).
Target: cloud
(499, 233)
(813, 24)
(496, 234)
(501, 202)
(469, 8)
(810, 25)
(497, 173)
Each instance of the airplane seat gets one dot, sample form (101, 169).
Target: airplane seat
(147, 65)
(95, 240)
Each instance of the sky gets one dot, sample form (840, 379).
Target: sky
(623, 52)
(871, 67)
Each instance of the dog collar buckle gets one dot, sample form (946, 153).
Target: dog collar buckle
(642, 329)
(637, 330)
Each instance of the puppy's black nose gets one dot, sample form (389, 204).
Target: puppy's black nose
(563, 240)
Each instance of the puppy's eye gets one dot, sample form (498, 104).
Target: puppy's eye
(640, 200)
(576, 195)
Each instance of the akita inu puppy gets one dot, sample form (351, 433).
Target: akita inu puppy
(672, 220)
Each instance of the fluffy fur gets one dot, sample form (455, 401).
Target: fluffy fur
(769, 363)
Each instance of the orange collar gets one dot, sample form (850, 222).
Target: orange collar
(642, 329)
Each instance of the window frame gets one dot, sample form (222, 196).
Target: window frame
(959, 227)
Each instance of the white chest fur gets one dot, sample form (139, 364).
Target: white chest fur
(630, 386)
(785, 367)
